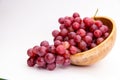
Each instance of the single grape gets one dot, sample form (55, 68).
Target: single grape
(82, 45)
(66, 44)
(44, 43)
(106, 35)
(67, 22)
(78, 19)
(77, 38)
(40, 62)
(72, 42)
(35, 49)
(50, 58)
(51, 66)
(59, 38)
(104, 29)
(66, 54)
(67, 62)
(42, 51)
(88, 39)
(93, 28)
(30, 52)
(98, 23)
(88, 21)
(99, 40)
(75, 14)
(71, 35)
(31, 61)
(97, 33)
(60, 60)
(57, 42)
(55, 33)
(51, 49)
(66, 38)
(75, 25)
(90, 34)
(73, 50)
(81, 32)
(93, 45)
(61, 20)
(64, 32)
(62, 26)
(60, 49)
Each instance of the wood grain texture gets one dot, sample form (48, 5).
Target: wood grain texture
(99, 52)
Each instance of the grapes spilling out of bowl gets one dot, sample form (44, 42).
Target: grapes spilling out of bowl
(75, 35)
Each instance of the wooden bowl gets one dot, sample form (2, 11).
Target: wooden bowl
(100, 51)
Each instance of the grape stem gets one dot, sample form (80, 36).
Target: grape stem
(95, 13)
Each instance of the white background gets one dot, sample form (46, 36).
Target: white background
(25, 23)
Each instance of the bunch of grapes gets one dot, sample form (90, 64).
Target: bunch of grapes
(75, 35)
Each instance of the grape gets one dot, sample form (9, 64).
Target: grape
(40, 62)
(76, 15)
(51, 66)
(99, 40)
(59, 38)
(82, 45)
(49, 58)
(78, 19)
(70, 29)
(64, 32)
(72, 42)
(31, 61)
(62, 26)
(67, 62)
(60, 49)
(66, 44)
(60, 60)
(66, 38)
(55, 33)
(35, 49)
(77, 38)
(44, 43)
(88, 21)
(97, 33)
(71, 35)
(106, 35)
(30, 52)
(90, 34)
(75, 25)
(51, 49)
(73, 50)
(98, 23)
(93, 28)
(82, 25)
(93, 45)
(81, 32)
(76, 35)
(104, 29)
(66, 54)
(42, 51)
(88, 39)
(61, 20)
(57, 42)
(67, 22)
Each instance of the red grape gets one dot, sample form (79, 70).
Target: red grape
(97, 33)
(60, 60)
(60, 49)
(49, 58)
(51, 66)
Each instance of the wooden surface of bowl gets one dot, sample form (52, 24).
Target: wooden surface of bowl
(100, 51)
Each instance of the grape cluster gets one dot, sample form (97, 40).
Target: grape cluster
(75, 35)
